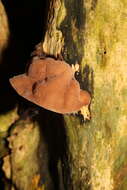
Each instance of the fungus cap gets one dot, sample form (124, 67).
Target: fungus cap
(51, 84)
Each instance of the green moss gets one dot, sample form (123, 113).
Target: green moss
(121, 159)
(104, 51)
(124, 94)
(124, 185)
(96, 37)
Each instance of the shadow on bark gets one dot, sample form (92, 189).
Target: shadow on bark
(53, 132)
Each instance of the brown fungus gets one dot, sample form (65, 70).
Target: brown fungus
(51, 84)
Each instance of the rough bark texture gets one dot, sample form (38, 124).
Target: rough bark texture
(92, 33)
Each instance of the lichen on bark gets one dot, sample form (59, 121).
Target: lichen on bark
(99, 44)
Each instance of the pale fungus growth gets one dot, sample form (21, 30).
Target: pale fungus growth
(51, 84)
(75, 67)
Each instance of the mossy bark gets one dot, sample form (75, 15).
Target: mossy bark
(93, 34)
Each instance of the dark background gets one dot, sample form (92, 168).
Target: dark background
(27, 25)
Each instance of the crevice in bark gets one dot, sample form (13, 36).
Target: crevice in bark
(86, 79)
(75, 17)
(93, 4)
(53, 131)
(1, 177)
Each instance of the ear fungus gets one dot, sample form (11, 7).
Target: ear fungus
(50, 83)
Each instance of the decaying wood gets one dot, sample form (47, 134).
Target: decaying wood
(91, 154)
(93, 33)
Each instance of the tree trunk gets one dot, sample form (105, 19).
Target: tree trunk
(93, 34)
(81, 154)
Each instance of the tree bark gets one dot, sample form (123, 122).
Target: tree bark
(83, 154)
(93, 34)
